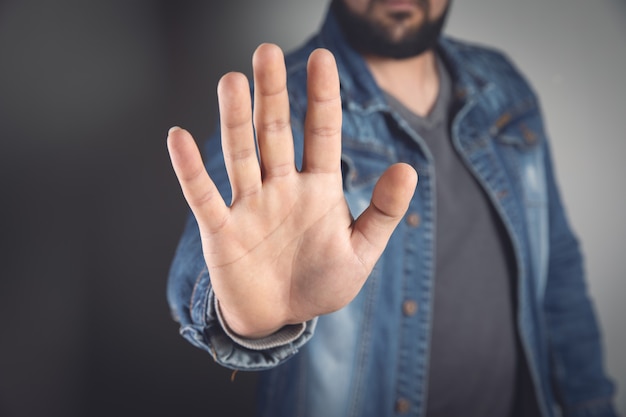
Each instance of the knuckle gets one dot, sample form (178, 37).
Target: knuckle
(274, 126)
(240, 154)
(324, 131)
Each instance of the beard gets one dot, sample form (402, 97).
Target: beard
(370, 37)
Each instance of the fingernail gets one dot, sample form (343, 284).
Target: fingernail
(173, 129)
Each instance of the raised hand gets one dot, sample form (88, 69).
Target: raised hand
(286, 249)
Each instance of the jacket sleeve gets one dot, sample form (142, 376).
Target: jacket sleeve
(573, 332)
(191, 299)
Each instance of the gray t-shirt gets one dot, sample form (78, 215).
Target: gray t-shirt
(473, 362)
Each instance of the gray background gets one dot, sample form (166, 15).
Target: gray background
(90, 211)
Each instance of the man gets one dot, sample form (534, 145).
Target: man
(359, 293)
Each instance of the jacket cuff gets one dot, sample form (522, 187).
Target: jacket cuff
(207, 333)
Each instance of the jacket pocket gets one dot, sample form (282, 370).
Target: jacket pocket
(521, 146)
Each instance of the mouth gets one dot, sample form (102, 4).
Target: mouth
(398, 6)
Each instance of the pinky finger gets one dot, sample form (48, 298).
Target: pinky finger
(199, 190)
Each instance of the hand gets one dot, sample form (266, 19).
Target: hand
(286, 249)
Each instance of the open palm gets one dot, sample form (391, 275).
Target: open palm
(286, 249)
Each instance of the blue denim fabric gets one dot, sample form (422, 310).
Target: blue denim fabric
(363, 359)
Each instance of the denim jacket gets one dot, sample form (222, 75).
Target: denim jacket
(371, 357)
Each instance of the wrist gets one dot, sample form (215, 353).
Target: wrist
(244, 329)
(284, 336)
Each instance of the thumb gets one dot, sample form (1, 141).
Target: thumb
(390, 201)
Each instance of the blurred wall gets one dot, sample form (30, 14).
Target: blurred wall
(90, 211)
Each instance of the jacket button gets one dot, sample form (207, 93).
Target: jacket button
(413, 219)
(409, 308)
(403, 406)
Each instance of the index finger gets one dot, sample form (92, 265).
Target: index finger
(322, 126)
